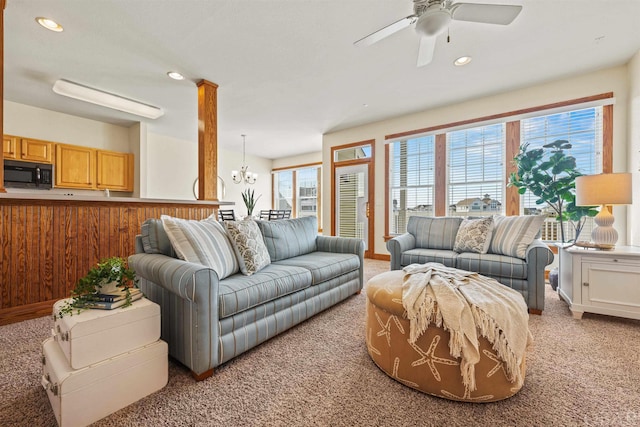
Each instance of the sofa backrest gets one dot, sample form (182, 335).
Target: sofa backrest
(286, 238)
(434, 232)
(155, 239)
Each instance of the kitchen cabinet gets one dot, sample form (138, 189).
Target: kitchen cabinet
(75, 167)
(33, 150)
(115, 170)
(93, 169)
(599, 281)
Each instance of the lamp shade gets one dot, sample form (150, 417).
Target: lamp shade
(604, 189)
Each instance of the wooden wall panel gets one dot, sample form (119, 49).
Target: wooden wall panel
(47, 246)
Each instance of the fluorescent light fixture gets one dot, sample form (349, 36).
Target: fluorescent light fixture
(463, 60)
(49, 24)
(106, 99)
(175, 75)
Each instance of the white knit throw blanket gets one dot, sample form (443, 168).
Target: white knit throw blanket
(467, 305)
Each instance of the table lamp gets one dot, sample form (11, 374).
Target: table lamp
(604, 189)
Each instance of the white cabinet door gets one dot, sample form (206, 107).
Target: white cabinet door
(611, 285)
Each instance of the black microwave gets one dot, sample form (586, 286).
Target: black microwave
(38, 176)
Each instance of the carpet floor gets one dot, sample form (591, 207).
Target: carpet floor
(579, 373)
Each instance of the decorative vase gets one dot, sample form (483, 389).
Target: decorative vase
(553, 278)
(110, 288)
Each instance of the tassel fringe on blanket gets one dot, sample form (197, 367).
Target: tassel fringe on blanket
(467, 305)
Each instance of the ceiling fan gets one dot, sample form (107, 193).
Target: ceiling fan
(432, 17)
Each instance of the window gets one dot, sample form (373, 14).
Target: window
(283, 194)
(307, 192)
(411, 180)
(466, 173)
(476, 170)
(583, 129)
(298, 189)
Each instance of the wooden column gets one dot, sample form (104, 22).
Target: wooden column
(511, 196)
(3, 3)
(440, 196)
(207, 140)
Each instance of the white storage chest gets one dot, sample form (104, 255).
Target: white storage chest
(94, 335)
(82, 396)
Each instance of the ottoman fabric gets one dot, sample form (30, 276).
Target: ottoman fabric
(426, 365)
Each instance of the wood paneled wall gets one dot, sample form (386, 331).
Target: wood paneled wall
(46, 246)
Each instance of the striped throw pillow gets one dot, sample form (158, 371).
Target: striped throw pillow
(512, 235)
(202, 242)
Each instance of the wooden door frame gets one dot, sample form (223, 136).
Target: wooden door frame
(370, 162)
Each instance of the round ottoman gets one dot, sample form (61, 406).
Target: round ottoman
(426, 365)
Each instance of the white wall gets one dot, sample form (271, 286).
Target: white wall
(38, 123)
(303, 159)
(608, 80)
(633, 214)
(172, 167)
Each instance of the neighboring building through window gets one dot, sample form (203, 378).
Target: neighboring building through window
(298, 190)
(411, 173)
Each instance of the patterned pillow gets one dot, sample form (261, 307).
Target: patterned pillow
(249, 245)
(512, 235)
(203, 242)
(474, 235)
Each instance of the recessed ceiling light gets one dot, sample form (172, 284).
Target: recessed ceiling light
(463, 60)
(49, 24)
(175, 75)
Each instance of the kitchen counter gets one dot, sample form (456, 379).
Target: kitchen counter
(39, 197)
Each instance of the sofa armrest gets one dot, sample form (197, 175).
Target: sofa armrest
(397, 246)
(188, 297)
(344, 245)
(538, 256)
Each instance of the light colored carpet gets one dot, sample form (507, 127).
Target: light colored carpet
(580, 373)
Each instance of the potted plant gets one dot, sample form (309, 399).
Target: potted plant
(248, 196)
(552, 178)
(109, 276)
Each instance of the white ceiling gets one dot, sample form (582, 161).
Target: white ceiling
(287, 70)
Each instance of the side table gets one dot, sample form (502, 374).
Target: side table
(599, 281)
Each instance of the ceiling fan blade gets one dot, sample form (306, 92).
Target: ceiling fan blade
(501, 14)
(425, 51)
(386, 31)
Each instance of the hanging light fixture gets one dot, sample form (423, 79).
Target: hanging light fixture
(244, 176)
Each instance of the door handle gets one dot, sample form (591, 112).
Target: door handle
(367, 211)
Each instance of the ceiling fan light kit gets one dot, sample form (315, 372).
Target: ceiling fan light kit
(432, 18)
(106, 99)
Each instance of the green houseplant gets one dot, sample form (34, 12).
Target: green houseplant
(550, 174)
(248, 196)
(110, 273)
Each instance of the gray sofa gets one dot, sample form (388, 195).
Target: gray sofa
(207, 321)
(432, 240)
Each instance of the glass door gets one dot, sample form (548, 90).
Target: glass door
(352, 202)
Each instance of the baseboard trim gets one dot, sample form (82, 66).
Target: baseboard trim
(26, 312)
(382, 257)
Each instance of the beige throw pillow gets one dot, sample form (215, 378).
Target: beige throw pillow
(249, 245)
(203, 242)
(512, 235)
(474, 235)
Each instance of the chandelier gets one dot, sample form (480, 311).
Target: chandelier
(244, 175)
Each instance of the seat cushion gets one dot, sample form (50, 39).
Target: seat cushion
(493, 265)
(434, 232)
(289, 238)
(324, 265)
(421, 256)
(238, 292)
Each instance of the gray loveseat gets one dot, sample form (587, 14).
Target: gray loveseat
(207, 321)
(432, 240)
